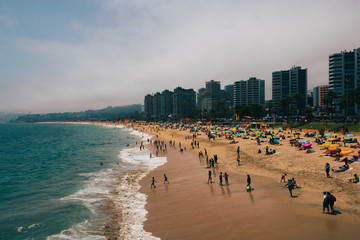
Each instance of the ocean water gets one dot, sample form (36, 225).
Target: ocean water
(53, 185)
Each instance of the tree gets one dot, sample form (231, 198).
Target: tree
(297, 99)
(285, 105)
(329, 101)
(257, 111)
(242, 110)
(357, 95)
(308, 112)
(269, 106)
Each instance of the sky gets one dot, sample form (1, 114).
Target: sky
(74, 55)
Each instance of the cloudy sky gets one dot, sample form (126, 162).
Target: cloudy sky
(71, 55)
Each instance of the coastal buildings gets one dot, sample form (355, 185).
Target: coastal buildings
(184, 102)
(319, 95)
(167, 103)
(229, 89)
(178, 104)
(212, 96)
(288, 83)
(249, 92)
(148, 106)
(344, 78)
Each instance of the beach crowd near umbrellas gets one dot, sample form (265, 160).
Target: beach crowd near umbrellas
(332, 144)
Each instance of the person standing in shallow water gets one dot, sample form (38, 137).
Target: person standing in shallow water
(153, 181)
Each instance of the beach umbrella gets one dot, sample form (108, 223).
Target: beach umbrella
(335, 135)
(268, 130)
(308, 131)
(280, 128)
(325, 144)
(244, 134)
(307, 145)
(334, 145)
(259, 133)
(304, 141)
(350, 135)
(331, 139)
(331, 149)
(345, 152)
(327, 135)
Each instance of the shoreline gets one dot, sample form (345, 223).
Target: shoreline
(291, 212)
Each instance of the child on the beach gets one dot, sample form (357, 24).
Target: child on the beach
(282, 179)
(355, 179)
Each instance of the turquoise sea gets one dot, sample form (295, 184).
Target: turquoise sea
(55, 178)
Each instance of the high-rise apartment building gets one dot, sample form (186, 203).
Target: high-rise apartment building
(344, 78)
(319, 95)
(229, 89)
(289, 82)
(157, 106)
(148, 106)
(166, 103)
(249, 92)
(184, 102)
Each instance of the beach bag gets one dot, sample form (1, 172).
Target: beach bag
(333, 198)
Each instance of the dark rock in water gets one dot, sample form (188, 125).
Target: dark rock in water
(127, 145)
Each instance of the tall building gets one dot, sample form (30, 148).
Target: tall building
(166, 103)
(200, 97)
(289, 82)
(184, 102)
(148, 106)
(212, 96)
(229, 89)
(249, 92)
(157, 106)
(344, 78)
(319, 95)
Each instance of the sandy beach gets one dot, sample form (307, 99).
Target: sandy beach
(190, 208)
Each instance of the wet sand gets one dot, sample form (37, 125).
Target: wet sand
(189, 208)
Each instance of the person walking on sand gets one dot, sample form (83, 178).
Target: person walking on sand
(221, 179)
(238, 160)
(166, 179)
(238, 150)
(291, 185)
(282, 179)
(226, 176)
(326, 202)
(153, 181)
(210, 179)
(332, 200)
(248, 186)
(327, 169)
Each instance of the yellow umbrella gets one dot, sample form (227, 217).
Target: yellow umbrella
(331, 139)
(325, 144)
(335, 134)
(345, 152)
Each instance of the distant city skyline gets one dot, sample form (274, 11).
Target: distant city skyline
(65, 55)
